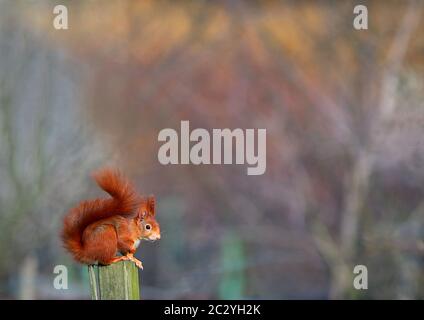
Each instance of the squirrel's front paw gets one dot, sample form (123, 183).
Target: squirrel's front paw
(137, 262)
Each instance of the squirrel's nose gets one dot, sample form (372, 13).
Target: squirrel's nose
(158, 236)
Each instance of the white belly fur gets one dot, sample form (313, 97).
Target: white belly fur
(136, 243)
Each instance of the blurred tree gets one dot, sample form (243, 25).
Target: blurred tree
(43, 143)
(232, 281)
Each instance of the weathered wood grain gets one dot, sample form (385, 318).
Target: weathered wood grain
(118, 281)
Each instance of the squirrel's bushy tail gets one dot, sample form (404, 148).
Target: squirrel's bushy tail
(124, 201)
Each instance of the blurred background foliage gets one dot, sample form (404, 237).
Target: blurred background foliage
(344, 116)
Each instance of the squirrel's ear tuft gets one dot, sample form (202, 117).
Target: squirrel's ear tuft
(151, 204)
(141, 214)
(142, 211)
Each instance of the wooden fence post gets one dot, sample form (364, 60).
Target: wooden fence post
(118, 281)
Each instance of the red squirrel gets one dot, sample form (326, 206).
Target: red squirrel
(104, 231)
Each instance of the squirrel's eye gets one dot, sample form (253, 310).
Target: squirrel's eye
(148, 227)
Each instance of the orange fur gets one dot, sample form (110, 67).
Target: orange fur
(97, 230)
